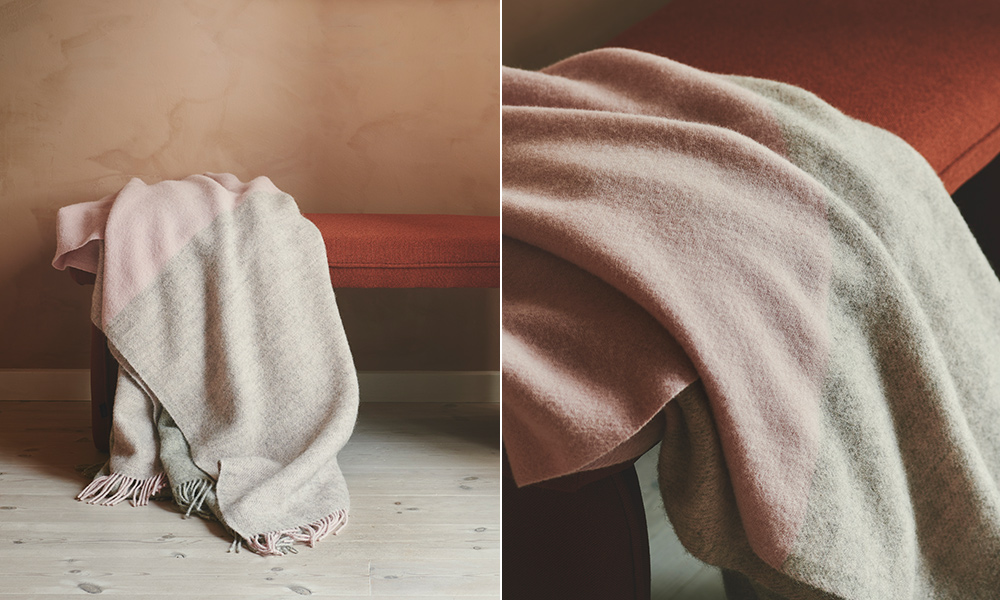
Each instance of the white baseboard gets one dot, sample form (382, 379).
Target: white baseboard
(376, 386)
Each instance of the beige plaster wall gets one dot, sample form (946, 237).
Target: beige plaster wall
(348, 105)
(539, 33)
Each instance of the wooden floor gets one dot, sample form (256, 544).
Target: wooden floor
(425, 517)
(676, 575)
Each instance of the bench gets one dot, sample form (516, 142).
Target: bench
(363, 251)
(926, 72)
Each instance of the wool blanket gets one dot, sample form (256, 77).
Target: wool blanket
(237, 387)
(792, 290)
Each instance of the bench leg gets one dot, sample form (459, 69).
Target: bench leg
(587, 544)
(103, 379)
(979, 201)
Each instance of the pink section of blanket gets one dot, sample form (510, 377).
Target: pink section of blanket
(656, 234)
(129, 218)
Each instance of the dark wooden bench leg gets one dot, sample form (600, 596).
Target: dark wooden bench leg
(979, 201)
(103, 380)
(589, 543)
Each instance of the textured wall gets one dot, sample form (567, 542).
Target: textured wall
(537, 34)
(348, 105)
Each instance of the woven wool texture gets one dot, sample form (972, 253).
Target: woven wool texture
(237, 387)
(792, 288)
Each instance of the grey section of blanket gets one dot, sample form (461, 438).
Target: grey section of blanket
(904, 502)
(698, 497)
(133, 432)
(239, 338)
(192, 489)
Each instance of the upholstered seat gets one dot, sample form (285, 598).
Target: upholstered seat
(405, 251)
(927, 71)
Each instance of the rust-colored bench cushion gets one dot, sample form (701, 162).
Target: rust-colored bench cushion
(927, 71)
(404, 251)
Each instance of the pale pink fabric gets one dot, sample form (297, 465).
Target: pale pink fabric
(78, 227)
(128, 273)
(650, 218)
(634, 447)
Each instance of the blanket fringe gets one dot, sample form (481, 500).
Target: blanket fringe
(278, 543)
(108, 490)
(191, 495)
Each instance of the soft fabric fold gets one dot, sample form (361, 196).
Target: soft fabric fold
(237, 387)
(792, 289)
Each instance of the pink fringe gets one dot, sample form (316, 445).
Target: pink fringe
(108, 490)
(278, 543)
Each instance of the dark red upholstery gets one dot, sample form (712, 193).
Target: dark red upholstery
(929, 71)
(405, 251)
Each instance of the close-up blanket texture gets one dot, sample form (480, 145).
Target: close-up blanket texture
(792, 289)
(237, 388)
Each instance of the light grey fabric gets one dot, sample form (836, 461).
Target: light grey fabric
(239, 339)
(904, 501)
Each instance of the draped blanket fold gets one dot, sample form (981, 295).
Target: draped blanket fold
(792, 291)
(237, 387)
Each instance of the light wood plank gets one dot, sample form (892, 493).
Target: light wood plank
(127, 585)
(155, 595)
(152, 547)
(425, 517)
(394, 510)
(423, 578)
(193, 561)
(97, 532)
(473, 481)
